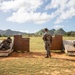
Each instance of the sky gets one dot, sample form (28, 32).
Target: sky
(33, 15)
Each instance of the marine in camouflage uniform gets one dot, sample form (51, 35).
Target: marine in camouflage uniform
(5, 44)
(48, 41)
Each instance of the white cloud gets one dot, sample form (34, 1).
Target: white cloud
(28, 5)
(25, 10)
(58, 26)
(65, 9)
(27, 31)
(22, 17)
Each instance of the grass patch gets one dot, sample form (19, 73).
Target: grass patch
(68, 38)
(36, 44)
(39, 66)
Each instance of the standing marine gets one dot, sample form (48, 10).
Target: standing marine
(48, 41)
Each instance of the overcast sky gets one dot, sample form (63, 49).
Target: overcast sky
(32, 15)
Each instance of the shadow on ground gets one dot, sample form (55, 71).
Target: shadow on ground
(55, 55)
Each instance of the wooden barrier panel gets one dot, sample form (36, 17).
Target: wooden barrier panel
(57, 43)
(21, 44)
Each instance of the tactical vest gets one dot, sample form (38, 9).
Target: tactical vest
(47, 37)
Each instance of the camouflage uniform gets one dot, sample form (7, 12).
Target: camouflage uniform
(48, 40)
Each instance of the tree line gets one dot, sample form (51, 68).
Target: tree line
(71, 33)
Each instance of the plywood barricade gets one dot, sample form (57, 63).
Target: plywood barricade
(21, 44)
(57, 42)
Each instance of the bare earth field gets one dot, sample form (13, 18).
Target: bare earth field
(36, 55)
(35, 63)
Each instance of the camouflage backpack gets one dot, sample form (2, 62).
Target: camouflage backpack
(47, 37)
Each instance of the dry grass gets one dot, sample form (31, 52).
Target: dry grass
(36, 66)
(39, 66)
(69, 38)
(36, 44)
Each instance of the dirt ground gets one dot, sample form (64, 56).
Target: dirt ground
(56, 55)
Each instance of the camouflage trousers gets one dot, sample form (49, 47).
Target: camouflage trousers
(47, 48)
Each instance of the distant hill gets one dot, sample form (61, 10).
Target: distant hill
(59, 31)
(40, 32)
(52, 32)
(10, 32)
